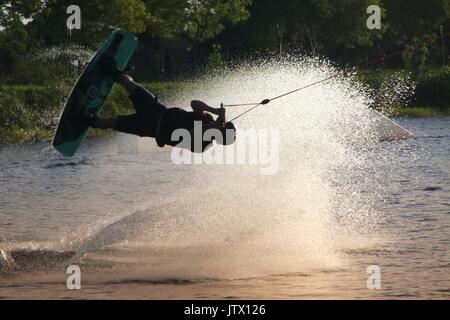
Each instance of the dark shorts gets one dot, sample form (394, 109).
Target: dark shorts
(148, 113)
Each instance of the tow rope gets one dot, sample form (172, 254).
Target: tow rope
(359, 67)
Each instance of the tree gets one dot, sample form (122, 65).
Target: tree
(412, 18)
(327, 27)
(131, 15)
(414, 24)
(14, 10)
(169, 17)
(13, 36)
(12, 45)
(98, 19)
(206, 18)
(344, 30)
(196, 20)
(346, 25)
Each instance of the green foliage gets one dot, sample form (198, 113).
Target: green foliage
(168, 17)
(415, 58)
(205, 18)
(34, 71)
(420, 112)
(433, 88)
(12, 46)
(12, 111)
(131, 15)
(410, 18)
(334, 28)
(182, 31)
(198, 20)
(352, 31)
(216, 61)
(26, 112)
(12, 11)
(292, 22)
(315, 26)
(98, 19)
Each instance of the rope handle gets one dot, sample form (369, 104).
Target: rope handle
(262, 103)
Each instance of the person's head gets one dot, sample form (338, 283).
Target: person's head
(228, 134)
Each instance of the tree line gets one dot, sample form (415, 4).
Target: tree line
(180, 37)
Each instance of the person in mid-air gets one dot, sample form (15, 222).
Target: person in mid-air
(152, 119)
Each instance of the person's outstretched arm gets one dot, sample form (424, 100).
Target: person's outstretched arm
(199, 107)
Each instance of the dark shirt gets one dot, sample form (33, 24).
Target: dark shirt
(176, 118)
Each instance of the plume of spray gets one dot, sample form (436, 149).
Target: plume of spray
(231, 221)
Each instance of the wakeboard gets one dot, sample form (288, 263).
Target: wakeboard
(91, 91)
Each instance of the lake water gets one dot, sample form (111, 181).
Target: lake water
(140, 226)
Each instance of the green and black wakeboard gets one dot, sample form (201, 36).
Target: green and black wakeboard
(91, 91)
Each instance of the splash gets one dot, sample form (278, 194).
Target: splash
(219, 222)
(230, 221)
(74, 52)
(395, 90)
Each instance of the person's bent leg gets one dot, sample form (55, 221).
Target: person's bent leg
(143, 100)
(128, 83)
(130, 124)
